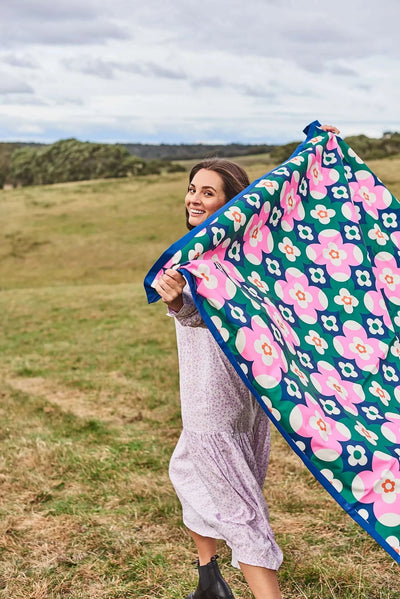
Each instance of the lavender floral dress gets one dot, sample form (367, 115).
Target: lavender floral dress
(219, 465)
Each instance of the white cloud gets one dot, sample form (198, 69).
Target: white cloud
(181, 71)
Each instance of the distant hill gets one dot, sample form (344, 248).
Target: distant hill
(194, 151)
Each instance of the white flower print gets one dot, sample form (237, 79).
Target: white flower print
(357, 455)
(330, 406)
(237, 313)
(340, 191)
(372, 413)
(291, 251)
(296, 370)
(218, 235)
(389, 219)
(275, 217)
(375, 326)
(286, 313)
(352, 232)
(329, 158)
(273, 266)
(377, 390)
(303, 187)
(234, 213)
(304, 359)
(347, 172)
(292, 388)
(369, 435)
(390, 374)
(218, 324)
(322, 214)
(363, 278)
(330, 323)
(347, 370)
(282, 171)
(346, 300)
(313, 338)
(305, 232)
(255, 279)
(253, 199)
(234, 251)
(269, 184)
(317, 275)
(378, 235)
(196, 252)
(335, 482)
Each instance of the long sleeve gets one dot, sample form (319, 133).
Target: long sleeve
(188, 315)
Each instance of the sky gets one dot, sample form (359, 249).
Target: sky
(211, 71)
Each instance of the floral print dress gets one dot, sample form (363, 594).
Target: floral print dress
(219, 465)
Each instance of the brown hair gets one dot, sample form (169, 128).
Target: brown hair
(234, 178)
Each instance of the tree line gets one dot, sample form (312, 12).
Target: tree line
(368, 148)
(73, 160)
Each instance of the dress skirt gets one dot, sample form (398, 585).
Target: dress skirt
(219, 465)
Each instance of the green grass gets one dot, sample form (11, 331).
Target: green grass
(90, 413)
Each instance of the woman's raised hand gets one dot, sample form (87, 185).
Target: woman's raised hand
(330, 128)
(170, 287)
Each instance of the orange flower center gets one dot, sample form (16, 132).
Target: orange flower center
(346, 299)
(289, 249)
(322, 214)
(334, 254)
(322, 424)
(237, 217)
(255, 233)
(361, 348)
(267, 349)
(389, 279)
(388, 486)
(301, 296)
(317, 341)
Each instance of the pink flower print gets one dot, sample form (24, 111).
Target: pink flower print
(236, 215)
(256, 239)
(212, 283)
(256, 280)
(375, 303)
(258, 345)
(310, 421)
(335, 255)
(329, 382)
(366, 351)
(378, 235)
(304, 298)
(269, 184)
(291, 203)
(387, 275)
(391, 428)
(381, 487)
(373, 197)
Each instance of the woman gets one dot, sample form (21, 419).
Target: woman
(219, 465)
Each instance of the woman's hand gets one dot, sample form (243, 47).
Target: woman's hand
(330, 128)
(170, 287)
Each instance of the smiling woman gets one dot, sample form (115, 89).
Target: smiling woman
(211, 184)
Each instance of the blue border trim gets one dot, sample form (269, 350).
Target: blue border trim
(347, 507)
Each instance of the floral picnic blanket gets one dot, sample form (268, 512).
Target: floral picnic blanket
(298, 280)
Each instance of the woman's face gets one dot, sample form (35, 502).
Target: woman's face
(205, 196)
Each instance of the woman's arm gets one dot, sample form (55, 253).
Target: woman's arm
(180, 304)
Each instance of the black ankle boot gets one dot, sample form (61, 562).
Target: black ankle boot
(211, 583)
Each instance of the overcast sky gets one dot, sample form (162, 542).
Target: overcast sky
(177, 71)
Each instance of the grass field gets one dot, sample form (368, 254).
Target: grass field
(90, 413)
